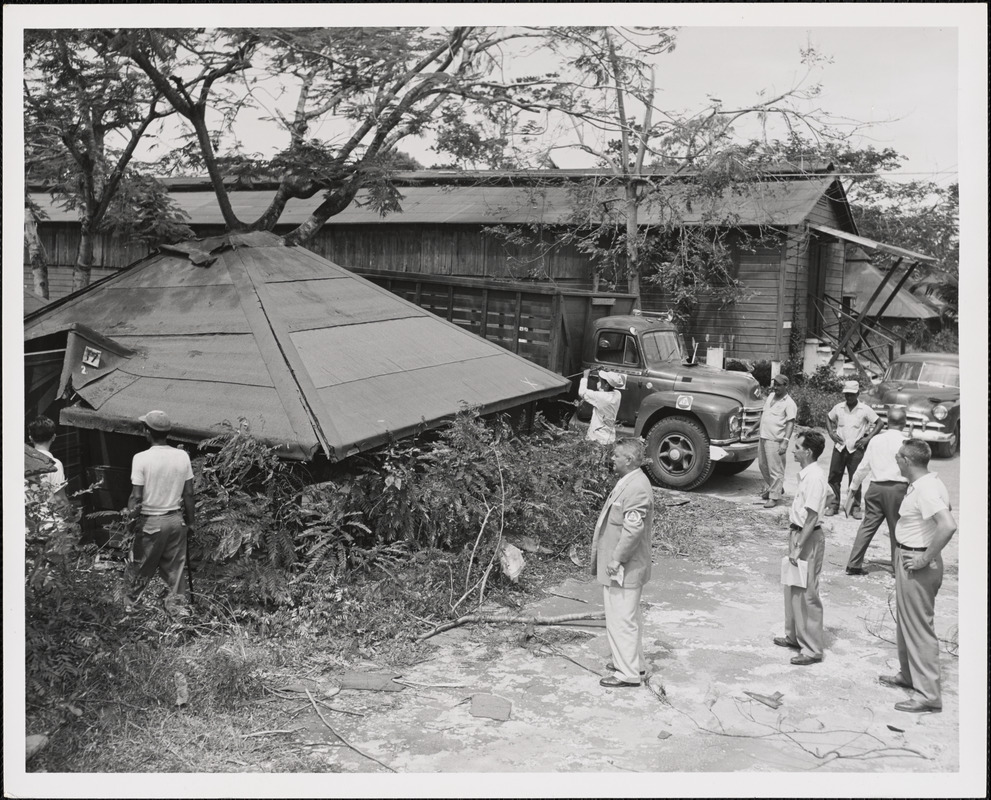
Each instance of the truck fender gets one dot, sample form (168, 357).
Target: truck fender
(711, 411)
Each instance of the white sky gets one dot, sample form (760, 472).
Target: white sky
(892, 61)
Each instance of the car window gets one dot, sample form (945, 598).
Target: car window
(662, 346)
(926, 373)
(612, 347)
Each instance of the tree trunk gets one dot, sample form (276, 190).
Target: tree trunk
(632, 243)
(37, 257)
(84, 259)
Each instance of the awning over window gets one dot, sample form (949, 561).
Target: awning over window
(870, 244)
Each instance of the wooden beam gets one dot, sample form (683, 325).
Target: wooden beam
(855, 328)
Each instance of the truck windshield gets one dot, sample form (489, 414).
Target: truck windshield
(927, 373)
(662, 346)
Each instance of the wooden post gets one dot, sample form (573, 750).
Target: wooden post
(855, 327)
(450, 303)
(554, 360)
(516, 322)
(485, 314)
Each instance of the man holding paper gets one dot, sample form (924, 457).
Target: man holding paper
(806, 546)
(621, 561)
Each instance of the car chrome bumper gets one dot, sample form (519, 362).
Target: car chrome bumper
(736, 451)
(928, 435)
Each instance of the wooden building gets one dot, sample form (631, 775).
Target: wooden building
(793, 287)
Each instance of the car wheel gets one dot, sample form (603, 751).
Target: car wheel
(732, 467)
(678, 454)
(950, 448)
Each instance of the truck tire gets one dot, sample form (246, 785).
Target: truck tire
(732, 467)
(948, 449)
(678, 454)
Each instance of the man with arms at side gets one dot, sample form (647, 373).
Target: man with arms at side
(850, 424)
(776, 425)
(162, 497)
(886, 490)
(621, 562)
(803, 607)
(925, 527)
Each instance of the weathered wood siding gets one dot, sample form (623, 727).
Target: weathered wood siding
(747, 328)
(834, 255)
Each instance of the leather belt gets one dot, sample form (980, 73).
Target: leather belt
(913, 549)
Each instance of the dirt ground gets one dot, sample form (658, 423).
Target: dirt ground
(708, 642)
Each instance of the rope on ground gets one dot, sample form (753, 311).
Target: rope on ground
(496, 618)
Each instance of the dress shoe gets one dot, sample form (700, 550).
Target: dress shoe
(917, 707)
(804, 661)
(857, 513)
(783, 641)
(765, 495)
(613, 683)
(856, 571)
(894, 681)
(612, 668)
(830, 512)
(770, 504)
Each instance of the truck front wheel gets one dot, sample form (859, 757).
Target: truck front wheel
(678, 454)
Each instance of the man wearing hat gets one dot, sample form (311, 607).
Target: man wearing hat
(162, 500)
(605, 404)
(851, 425)
(776, 425)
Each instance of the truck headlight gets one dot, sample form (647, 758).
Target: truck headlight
(940, 412)
(734, 423)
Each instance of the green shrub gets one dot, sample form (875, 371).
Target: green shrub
(813, 405)
(824, 379)
(762, 372)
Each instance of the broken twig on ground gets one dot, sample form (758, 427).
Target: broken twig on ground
(323, 719)
(469, 618)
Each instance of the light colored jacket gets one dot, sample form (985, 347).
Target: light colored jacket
(623, 531)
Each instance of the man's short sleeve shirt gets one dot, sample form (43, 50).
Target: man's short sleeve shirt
(813, 491)
(924, 499)
(777, 414)
(851, 424)
(162, 471)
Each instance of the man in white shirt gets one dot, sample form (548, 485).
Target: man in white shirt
(886, 490)
(776, 425)
(850, 424)
(803, 606)
(925, 527)
(41, 431)
(162, 493)
(605, 404)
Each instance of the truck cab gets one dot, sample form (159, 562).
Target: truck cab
(694, 419)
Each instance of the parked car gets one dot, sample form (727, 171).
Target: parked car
(928, 385)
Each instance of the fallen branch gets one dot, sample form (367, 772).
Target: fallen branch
(469, 618)
(267, 733)
(568, 597)
(323, 719)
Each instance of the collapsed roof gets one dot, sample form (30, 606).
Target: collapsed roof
(242, 327)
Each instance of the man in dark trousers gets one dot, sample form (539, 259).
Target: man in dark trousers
(162, 500)
(850, 425)
(925, 527)
(885, 493)
(621, 561)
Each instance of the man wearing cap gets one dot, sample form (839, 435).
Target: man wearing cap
(885, 493)
(776, 425)
(605, 404)
(851, 425)
(925, 527)
(162, 499)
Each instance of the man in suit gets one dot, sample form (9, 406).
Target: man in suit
(621, 561)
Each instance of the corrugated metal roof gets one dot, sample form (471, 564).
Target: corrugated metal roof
(861, 279)
(312, 356)
(766, 203)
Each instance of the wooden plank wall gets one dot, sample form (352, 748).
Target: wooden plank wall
(824, 213)
(746, 328)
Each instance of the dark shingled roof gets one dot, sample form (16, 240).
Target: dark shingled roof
(313, 357)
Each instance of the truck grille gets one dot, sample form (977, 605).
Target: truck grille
(750, 424)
